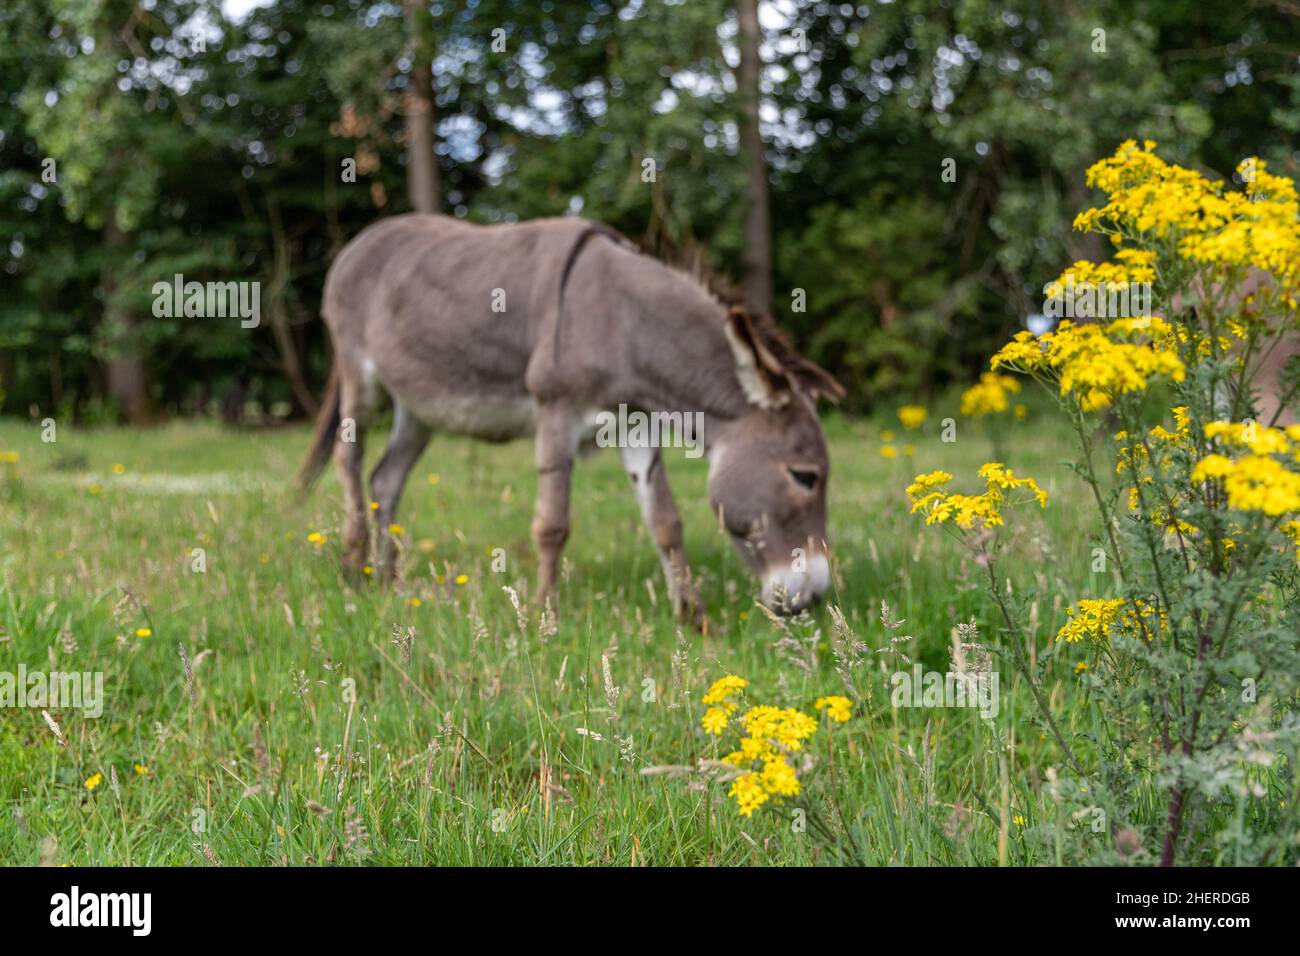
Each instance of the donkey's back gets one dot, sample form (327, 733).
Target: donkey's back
(444, 315)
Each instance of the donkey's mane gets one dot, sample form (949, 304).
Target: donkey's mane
(692, 259)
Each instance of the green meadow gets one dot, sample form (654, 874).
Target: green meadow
(260, 709)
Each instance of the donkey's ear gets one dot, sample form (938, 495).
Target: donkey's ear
(768, 366)
(761, 374)
(816, 382)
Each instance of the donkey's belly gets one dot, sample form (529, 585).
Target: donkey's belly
(470, 386)
(491, 418)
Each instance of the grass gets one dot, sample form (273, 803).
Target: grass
(489, 747)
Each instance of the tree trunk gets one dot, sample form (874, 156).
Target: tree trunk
(756, 258)
(8, 374)
(281, 279)
(124, 365)
(421, 160)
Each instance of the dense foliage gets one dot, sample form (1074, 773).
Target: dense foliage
(923, 158)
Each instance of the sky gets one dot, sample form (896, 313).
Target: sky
(238, 9)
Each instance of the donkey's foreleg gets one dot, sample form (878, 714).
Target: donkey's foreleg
(557, 444)
(645, 469)
(349, 453)
(406, 443)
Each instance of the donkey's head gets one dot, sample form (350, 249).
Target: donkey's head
(769, 467)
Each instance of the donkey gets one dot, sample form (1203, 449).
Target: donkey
(536, 328)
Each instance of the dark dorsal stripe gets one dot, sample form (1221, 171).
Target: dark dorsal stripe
(592, 230)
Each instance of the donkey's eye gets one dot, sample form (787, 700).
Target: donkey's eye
(806, 478)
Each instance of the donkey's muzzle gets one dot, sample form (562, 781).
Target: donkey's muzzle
(787, 590)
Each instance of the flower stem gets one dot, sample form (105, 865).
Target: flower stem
(1022, 663)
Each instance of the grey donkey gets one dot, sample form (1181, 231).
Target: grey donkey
(538, 327)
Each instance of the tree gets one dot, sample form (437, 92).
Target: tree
(124, 366)
(422, 161)
(756, 258)
(82, 120)
(804, 153)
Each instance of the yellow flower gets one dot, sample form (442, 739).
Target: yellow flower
(9, 457)
(1255, 483)
(119, 469)
(395, 529)
(749, 793)
(140, 770)
(1090, 282)
(786, 726)
(1255, 228)
(999, 476)
(1093, 363)
(94, 780)
(434, 478)
(415, 602)
(779, 777)
(1019, 820)
(1080, 667)
(887, 435)
(1090, 618)
(367, 570)
(771, 734)
(462, 579)
(989, 395)
(888, 451)
(1260, 439)
(754, 748)
(1099, 618)
(967, 511)
(374, 506)
(724, 688)
(927, 481)
(1258, 481)
(714, 720)
(143, 632)
(839, 709)
(317, 538)
(912, 416)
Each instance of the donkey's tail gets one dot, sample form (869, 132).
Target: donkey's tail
(322, 440)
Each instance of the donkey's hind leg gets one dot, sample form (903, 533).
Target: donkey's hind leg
(349, 453)
(405, 445)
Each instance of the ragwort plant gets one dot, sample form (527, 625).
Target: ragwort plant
(1190, 645)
